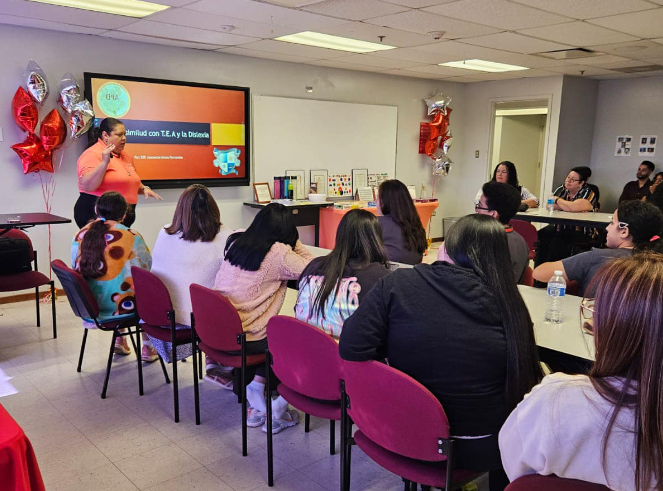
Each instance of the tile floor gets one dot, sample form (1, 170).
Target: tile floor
(128, 442)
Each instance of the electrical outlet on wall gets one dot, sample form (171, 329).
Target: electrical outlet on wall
(476, 154)
(1, 138)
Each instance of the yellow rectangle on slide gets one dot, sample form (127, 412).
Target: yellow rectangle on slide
(227, 134)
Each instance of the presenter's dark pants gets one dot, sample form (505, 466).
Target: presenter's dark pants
(84, 211)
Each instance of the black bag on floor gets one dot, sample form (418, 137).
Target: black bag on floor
(14, 256)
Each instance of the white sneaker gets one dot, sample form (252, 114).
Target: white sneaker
(255, 418)
(289, 418)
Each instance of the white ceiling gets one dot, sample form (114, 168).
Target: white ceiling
(626, 33)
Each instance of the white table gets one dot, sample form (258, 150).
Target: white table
(582, 219)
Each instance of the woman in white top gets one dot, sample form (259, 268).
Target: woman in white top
(605, 427)
(506, 172)
(190, 250)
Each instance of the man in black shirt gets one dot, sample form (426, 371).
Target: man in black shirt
(639, 188)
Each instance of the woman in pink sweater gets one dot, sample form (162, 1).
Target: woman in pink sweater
(253, 276)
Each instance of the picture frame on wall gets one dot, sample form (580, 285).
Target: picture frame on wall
(359, 179)
(321, 178)
(301, 181)
(263, 193)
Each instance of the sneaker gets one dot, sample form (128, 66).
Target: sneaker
(289, 418)
(121, 346)
(255, 418)
(149, 354)
(220, 380)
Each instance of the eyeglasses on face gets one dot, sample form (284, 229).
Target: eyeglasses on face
(569, 178)
(477, 206)
(587, 315)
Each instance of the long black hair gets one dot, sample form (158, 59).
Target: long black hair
(645, 225)
(110, 206)
(274, 223)
(107, 125)
(358, 239)
(513, 174)
(479, 242)
(396, 202)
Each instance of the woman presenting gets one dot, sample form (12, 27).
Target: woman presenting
(106, 167)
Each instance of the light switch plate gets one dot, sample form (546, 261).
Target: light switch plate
(1, 137)
(476, 154)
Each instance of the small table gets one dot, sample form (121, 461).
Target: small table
(18, 464)
(27, 220)
(582, 219)
(304, 212)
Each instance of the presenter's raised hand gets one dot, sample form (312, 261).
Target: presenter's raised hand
(106, 154)
(147, 191)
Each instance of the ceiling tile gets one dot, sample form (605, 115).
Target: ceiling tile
(647, 24)
(440, 70)
(371, 33)
(354, 10)
(425, 22)
(599, 60)
(236, 50)
(629, 63)
(173, 3)
(212, 22)
(52, 26)
(126, 36)
(272, 46)
(417, 4)
(588, 9)
(498, 13)
(407, 73)
(66, 15)
(384, 63)
(346, 66)
(576, 69)
(578, 34)
(293, 3)
(635, 49)
(265, 13)
(409, 54)
(517, 43)
(183, 33)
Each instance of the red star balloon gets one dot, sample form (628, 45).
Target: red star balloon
(52, 131)
(24, 111)
(33, 155)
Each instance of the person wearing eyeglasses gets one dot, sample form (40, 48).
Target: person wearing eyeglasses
(636, 226)
(575, 195)
(506, 172)
(605, 427)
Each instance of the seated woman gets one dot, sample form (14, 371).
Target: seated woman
(103, 252)
(605, 427)
(331, 287)
(253, 276)
(636, 226)
(461, 330)
(658, 179)
(404, 235)
(506, 172)
(190, 250)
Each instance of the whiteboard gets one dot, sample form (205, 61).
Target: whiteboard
(305, 134)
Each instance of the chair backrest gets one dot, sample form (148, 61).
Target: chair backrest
(527, 231)
(14, 233)
(152, 298)
(79, 294)
(305, 358)
(527, 278)
(535, 482)
(394, 410)
(217, 321)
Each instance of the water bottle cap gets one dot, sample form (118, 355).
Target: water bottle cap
(558, 273)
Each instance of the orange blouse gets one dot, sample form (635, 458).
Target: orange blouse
(121, 175)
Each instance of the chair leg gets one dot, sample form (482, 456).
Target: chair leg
(133, 341)
(55, 328)
(413, 486)
(406, 485)
(200, 364)
(307, 423)
(80, 357)
(108, 367)
(163, 368)
(332, 437)
(242, 396)
(270, 447)
(196, 394)
(139, 356)
(37, 303)
(176, 395)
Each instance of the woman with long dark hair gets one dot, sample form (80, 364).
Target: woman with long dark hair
(105, 166)
(331, 287)
(506, 172)
(460, 327)
(605, 427)
(103, 252)
(253, 276)
(190, 250)
(404, 235)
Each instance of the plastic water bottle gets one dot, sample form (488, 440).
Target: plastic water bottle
(555, 300)
(550, 203)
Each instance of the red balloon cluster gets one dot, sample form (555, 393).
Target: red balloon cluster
(439, 131)
(36, 151)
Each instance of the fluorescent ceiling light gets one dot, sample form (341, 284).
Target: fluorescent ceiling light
(484, 66)
(127, 8)
(328, 41)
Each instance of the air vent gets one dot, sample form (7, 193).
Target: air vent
(569, 54)
(639, 69)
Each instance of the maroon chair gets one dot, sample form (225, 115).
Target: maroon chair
(529, 233)
(85, 306)
(536, 482)
(527, 279)
(306, 362)
(376, 396)
(217, 331)
(157, 317)
(28, 279)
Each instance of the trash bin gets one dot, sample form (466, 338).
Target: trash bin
(447, 222)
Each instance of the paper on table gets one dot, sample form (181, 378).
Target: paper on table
(6, 389)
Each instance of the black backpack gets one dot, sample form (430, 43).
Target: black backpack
(14, 256)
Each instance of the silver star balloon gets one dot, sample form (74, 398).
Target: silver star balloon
(437, 103)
